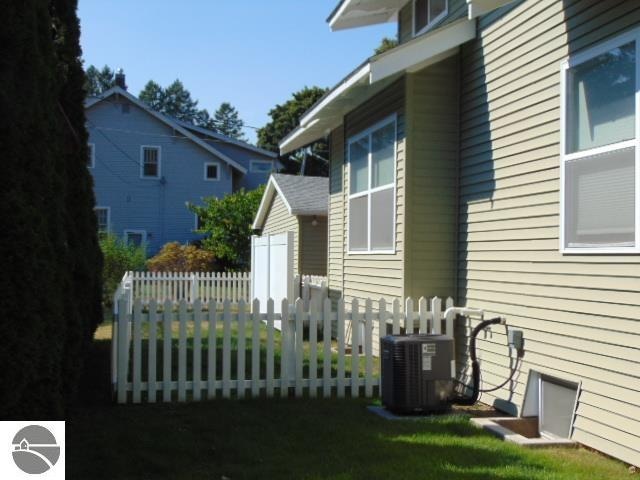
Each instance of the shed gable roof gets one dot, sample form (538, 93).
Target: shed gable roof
(301, 195)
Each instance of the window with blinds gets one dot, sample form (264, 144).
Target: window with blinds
(150, 162)
(372, 164)
(600, 152)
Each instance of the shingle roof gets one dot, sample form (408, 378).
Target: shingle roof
(305, 195)
(301, 195)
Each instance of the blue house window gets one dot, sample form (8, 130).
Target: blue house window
(261, 166)
(211, 171)
(102, 216)
(137, 238)
(150, 161)
(91, 161)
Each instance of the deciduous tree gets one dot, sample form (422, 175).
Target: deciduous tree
(227, 224)
(284, 119)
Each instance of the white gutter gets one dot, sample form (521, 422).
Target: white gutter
(356, 77)
(412, 56)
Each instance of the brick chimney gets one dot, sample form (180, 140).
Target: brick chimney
(120, 79)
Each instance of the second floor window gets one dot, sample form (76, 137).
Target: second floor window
(211, 171)
(150, 162)
(261, 166)
(427, 12)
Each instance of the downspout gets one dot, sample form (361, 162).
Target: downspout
(456, 256)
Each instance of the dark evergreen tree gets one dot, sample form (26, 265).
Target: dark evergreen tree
(50, 287)
(226, 121)
(98, 81)
(152, 95)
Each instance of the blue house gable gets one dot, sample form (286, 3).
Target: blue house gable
(146, 167)
(259, 163)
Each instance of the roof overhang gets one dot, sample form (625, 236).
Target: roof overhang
(167, 121)
(481, 7)
(269, 192)
(360, 13)
(375, 75)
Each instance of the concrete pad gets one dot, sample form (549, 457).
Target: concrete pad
(490, 425)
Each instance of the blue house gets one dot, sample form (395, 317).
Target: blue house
(146, 167)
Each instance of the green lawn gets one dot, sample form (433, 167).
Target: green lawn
(291, 439)
(104, 334)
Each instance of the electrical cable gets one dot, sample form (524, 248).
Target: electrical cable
(117, 147)
(511, 374)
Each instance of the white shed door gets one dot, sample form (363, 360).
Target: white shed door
(272, 268)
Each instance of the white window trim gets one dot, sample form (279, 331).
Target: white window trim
(147, 177)
(208, 164)
(430, 21)
(195, 222)
(571, 62)
(92, 149)
(108, 209)
(135, 232)
(262, 162)
(365, 133)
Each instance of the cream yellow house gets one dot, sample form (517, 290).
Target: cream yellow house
(493, 157)
(297, 204)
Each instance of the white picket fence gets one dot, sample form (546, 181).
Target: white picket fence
(176, 286)
(151, 330)
(311, 288)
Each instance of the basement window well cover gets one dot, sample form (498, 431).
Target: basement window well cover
(553, 401)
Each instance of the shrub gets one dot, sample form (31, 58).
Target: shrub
(119, 257)
(181, 258)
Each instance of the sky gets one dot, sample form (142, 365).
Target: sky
(252, 53)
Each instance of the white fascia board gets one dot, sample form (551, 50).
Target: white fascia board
(167, 121)
(311, 128)
(337, 92)
(477, 8)
(361, 13)
(424, 50)
(269, 192)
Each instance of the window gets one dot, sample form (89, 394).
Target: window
(91, 161)
(599, 166)
(150, 161)
(102, 216)
(198, 222)
(426, 13)
(211, 171)
(261, 166)
(372, 164)
(135, 237)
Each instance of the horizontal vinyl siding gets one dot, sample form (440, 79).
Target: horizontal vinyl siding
(368, 275)
(580, 314)
(280, 221)
(313, 246)
(336, 232)
(432, 159)
(118, 129)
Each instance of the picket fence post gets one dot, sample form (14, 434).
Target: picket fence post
(242, 320)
